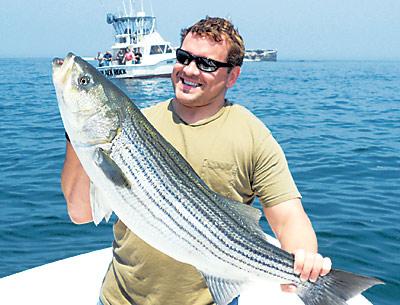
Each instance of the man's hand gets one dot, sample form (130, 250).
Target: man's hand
(294, 231)
(309, 266)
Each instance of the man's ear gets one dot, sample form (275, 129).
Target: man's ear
(233, 76)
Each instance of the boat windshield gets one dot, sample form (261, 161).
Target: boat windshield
(157, 49)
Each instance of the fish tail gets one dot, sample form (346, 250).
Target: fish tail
(335, 288)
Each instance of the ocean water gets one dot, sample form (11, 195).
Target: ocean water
(337, 121)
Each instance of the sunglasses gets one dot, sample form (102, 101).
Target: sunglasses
(203, 63)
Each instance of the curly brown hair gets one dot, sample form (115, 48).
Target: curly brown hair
(216, 28)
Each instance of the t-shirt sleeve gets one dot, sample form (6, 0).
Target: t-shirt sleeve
(272, 180)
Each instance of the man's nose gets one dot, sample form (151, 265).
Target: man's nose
(191, 68)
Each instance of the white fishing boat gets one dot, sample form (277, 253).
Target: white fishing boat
(136, 31)
(260, 55)
(77, 280)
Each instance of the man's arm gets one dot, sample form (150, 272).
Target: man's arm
(75, 186)
(294, 231)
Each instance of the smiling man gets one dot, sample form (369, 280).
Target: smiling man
(229, 148)
(199, 89)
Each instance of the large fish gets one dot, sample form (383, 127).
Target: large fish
(137, 174)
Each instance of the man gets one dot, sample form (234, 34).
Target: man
(138, 56)
(128, 56)
(107, 58)
(100, 59)
(230, 149)
(120, 56)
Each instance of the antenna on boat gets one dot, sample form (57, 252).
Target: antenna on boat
(142, 6)
(131, 8)
(151, 8)
(123, 3)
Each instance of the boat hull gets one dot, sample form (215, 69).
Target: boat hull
(260, 55)
(161, 69)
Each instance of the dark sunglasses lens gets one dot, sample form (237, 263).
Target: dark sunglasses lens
(183, 57)
(206, 65)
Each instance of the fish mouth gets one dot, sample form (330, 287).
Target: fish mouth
(59, 62)
(62, 67)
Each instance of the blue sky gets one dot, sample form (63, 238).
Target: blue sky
(298, 29)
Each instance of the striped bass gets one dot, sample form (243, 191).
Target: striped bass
(137, 174)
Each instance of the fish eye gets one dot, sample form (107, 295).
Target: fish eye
(84, 80)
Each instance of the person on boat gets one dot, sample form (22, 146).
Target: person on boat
(229, 148)
(120, 56)
(129, 56)
(107, 58)
(138, 56)
(100, 59)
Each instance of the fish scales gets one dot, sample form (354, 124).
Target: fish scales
(232, 235)
(186, 213)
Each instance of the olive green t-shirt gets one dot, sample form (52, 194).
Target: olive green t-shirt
(236, 156)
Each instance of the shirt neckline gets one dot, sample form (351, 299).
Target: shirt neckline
(205, 121)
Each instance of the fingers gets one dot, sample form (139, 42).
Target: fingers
(326, 266)
(299, 258)
(317, 268)
(309, 266)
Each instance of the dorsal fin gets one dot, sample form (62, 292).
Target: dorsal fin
(247, 215)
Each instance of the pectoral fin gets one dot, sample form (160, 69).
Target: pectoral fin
(99, 204)
(110, 168)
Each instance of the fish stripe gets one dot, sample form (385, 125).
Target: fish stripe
(228, 214)
(231, 253)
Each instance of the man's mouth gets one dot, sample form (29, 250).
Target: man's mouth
(190, 84)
